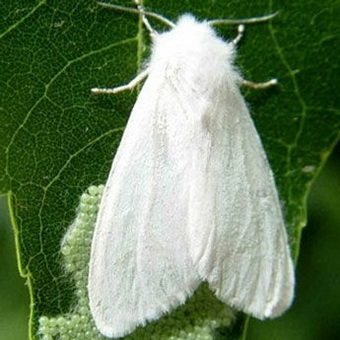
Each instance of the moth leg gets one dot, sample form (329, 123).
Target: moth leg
(131, 85)
(257, 86)
(240, 31)
(253, 85)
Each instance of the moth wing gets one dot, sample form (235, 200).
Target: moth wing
(140, 266)
(238, 237)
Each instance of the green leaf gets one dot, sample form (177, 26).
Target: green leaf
(56, 139)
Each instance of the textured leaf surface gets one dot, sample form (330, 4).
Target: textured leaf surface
(56, 139)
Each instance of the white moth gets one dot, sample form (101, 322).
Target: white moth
(190, 196)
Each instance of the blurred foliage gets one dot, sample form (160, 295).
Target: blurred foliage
(14, 300)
